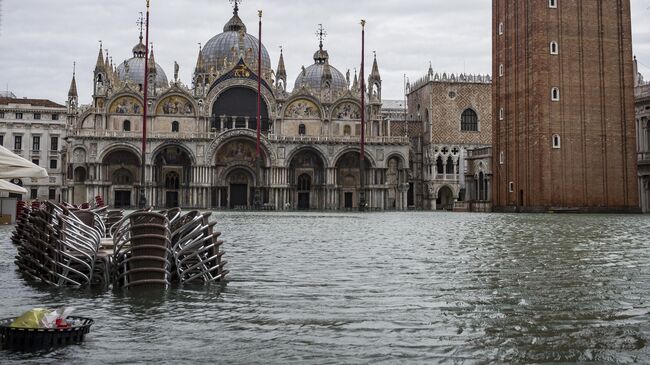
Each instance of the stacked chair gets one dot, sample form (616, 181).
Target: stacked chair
(57, 247)
(22, 215)
(197, 257)
(59, 244)
(142, 251)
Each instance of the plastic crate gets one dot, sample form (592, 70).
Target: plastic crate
(35, 339)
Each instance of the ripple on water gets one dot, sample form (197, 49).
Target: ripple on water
(409, 287)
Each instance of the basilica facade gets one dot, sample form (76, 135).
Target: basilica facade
(201, 148)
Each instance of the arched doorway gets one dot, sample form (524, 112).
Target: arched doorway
(121, 169)
(348, 179)
(240, 189)
(304, 190)
(445, 199)
(171, 172)
(237, 174)
(307, 177)
(237, 108)
(79, 193)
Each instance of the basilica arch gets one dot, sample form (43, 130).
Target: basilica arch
(307, 178)
(172, 176)
(120, 172)
(237, 174)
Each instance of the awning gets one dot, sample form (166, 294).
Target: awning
(14, 166)
(11, 188)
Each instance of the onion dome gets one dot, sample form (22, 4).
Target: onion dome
(133, 69)
(232, 44)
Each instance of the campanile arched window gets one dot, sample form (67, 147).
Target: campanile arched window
(469, 121)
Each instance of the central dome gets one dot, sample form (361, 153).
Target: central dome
(227, 46)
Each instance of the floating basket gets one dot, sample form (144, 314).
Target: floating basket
(35, 339)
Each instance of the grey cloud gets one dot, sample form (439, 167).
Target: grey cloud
(40, 39)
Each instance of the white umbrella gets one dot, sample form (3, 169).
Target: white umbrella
(14, 166)
(11, 188)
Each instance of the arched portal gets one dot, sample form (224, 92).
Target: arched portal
(121, 171)
(172, 171)
(237, 108)
(348, 179)
(240, 188)
(307, 177)
(445, 199)
(239, 155)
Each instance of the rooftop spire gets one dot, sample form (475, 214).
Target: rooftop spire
(282, 71)
(152, 61)
(375, 68)
(99, 66)
(73, 85)
(200, 63)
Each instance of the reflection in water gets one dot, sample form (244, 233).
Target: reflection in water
(381, 287)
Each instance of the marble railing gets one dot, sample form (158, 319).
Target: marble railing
(339, 139)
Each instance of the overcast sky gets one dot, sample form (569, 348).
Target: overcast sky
(40, 39)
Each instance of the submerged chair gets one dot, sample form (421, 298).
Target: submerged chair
(142, 251)
(196, 250)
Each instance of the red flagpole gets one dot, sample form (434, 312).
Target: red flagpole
(362, 156)
(143, 198)
(257, 198)
(363, 89)
(259, 87)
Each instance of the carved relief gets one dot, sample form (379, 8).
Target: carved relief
(126, 105)
(347, 111)
(175, 105)
(302, 109)
(79, 155)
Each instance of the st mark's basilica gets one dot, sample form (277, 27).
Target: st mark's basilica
(202, 139)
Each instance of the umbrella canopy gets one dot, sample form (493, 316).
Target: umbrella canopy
(11, 188)
(14, 166)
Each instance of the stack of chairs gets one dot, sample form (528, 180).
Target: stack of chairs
(22, 214)
(196, 249)
(112, 218)
(142, 251)
(58, 247)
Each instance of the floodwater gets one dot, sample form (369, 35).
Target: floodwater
(380, 288)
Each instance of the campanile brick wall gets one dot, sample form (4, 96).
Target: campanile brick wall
(595, 167)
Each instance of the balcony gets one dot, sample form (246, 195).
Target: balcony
(446, 177)
(480, 152)
(644, 158)
(401, 140)
(338, 139)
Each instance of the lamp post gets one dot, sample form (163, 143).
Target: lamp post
(143, 198)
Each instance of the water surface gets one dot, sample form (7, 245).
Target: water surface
(380, 288)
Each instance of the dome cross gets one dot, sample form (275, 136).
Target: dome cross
(321, 34)
(236, 3)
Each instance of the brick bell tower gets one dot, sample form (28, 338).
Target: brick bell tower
(563, 106)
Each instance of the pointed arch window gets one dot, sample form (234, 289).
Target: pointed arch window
(469, 121)
(554, 48)
(126, 126)
(175, 127)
